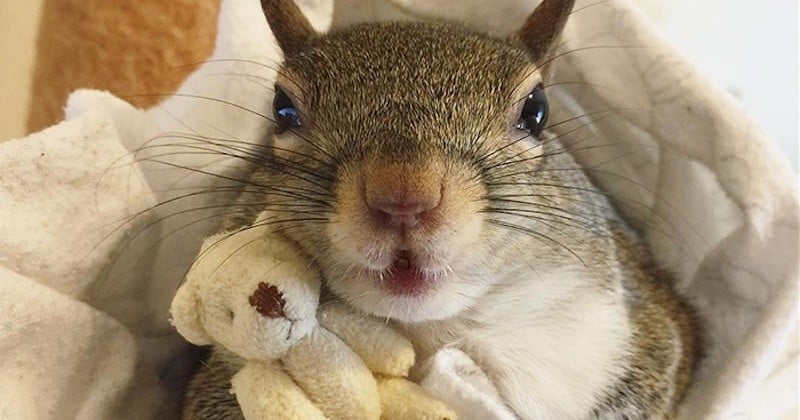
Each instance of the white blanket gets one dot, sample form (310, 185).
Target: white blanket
(86, 276)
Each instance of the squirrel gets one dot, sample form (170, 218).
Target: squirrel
(412, 164)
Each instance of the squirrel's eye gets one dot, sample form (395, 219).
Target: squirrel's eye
(286, 115)
(534, 113)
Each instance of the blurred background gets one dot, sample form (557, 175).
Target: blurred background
(19, 21)
(751, 48)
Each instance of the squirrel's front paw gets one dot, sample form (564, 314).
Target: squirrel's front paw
(249, 291)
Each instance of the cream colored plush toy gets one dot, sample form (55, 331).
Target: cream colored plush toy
(248, 292)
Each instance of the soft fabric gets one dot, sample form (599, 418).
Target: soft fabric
(61, 356)
(680, 158)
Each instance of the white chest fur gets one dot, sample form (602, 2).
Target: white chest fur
(550, 343)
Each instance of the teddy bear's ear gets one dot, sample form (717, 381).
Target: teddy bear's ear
(186, 312)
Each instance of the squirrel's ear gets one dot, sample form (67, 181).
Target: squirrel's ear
(542, 28)
(288, 24)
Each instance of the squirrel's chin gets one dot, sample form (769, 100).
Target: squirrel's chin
(408, 300)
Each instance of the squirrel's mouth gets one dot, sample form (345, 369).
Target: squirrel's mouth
(404, 277)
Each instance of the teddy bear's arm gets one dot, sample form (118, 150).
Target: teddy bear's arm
(265, 391)
(333, 377)
(389, 356)
(384, 350)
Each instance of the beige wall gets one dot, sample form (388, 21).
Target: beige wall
(18, 24)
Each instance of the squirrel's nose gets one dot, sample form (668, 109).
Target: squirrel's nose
(406, 211)
(398, 195)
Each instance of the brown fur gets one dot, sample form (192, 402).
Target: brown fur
(417, 96)
(392, 182)
(139, 50)
(663, 320)
(208, 396)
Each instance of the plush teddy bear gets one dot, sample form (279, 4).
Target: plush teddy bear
(251, 293)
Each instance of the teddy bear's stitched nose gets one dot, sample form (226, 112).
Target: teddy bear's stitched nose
(268, 300)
